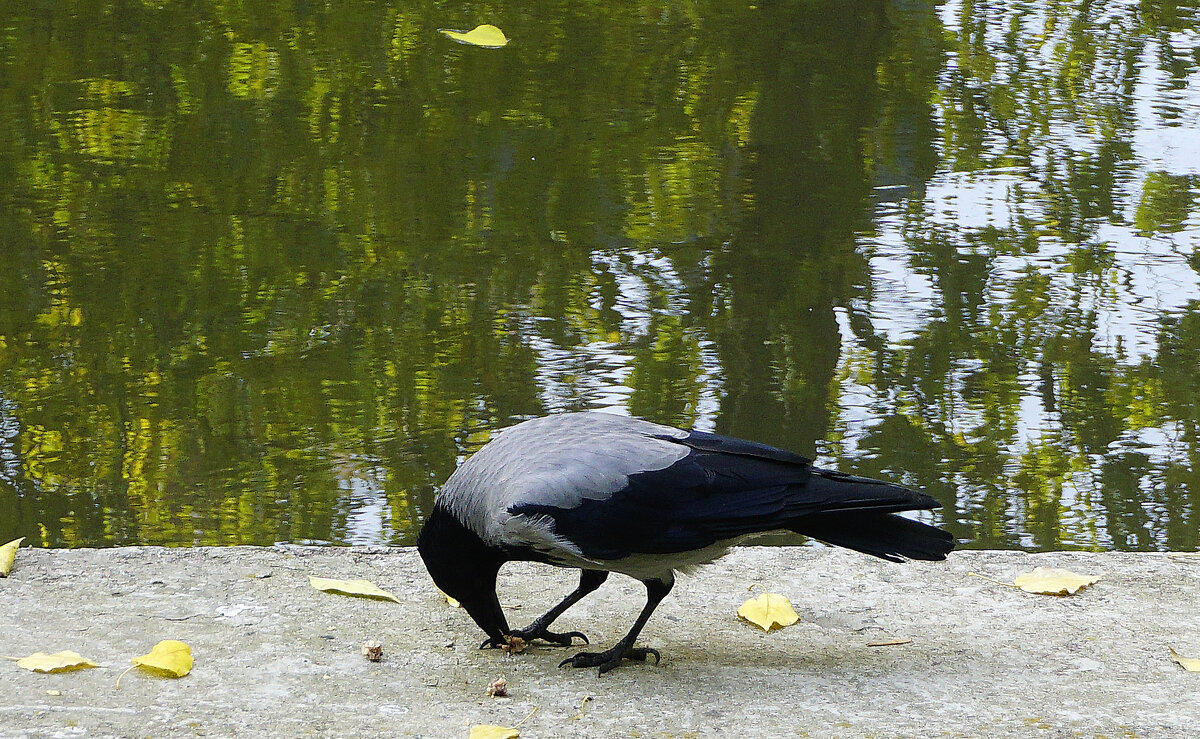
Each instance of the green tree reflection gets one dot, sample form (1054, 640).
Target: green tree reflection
(265, 267)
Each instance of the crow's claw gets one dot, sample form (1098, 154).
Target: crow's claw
(610, 658)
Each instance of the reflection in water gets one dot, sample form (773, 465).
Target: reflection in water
(271, 276)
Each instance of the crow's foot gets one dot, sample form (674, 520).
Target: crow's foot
(530, 633)
(610, 658)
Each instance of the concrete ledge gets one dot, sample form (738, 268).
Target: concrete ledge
(277, 658)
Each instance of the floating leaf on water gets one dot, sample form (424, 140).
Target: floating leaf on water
(487, 36)
(769, 611)
(359, 588)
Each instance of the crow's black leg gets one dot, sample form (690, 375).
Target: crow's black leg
(656, 590)
(589, 580)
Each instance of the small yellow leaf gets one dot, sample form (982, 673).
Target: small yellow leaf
(453, 603)
(1191, 664)
(58, 662)
(487, 36)
(8, 555)
(484, 731)
(360, 588)
(169, 658)
(769, 611)
(1053, 581)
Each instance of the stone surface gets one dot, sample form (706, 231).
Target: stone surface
(276, 658)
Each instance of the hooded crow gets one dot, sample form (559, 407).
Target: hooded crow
(606, 493)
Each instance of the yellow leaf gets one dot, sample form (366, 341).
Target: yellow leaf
(769, 611)
(8, 554)
(58, 662)
(453, 603)
(487, 36)
(169, 658)
(1191, 664)
(360, 588)
(1053, 581)
(493, 732)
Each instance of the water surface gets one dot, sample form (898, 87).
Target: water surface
(268, 272)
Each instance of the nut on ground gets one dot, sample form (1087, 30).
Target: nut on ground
(498, 688)
(372, 650)
(513, 644)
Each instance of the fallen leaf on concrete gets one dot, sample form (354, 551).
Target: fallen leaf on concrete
(487, 36)
(889, 643)
(450, 600)
(1045, 581)
(586, 699)
(1192, 557)
(64, 661)
(8, 555)
(768, 611)
(484, 731)
(1191, 664)
(1053, 581)
(360, 588)
(168, 658)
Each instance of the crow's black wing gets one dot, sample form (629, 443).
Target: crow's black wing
(723, 488)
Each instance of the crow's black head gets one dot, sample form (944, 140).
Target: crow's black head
(465, 568)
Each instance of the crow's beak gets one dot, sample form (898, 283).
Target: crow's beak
(483, 606)
(465, 569)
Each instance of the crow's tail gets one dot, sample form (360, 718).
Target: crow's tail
(860, 515)
(884, 535)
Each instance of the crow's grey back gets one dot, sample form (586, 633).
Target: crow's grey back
(559, 460)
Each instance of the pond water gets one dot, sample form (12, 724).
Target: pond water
(269, 271)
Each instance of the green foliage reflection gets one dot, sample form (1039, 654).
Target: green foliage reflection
(269, 271)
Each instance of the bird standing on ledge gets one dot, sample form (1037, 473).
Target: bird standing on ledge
(606, 493)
